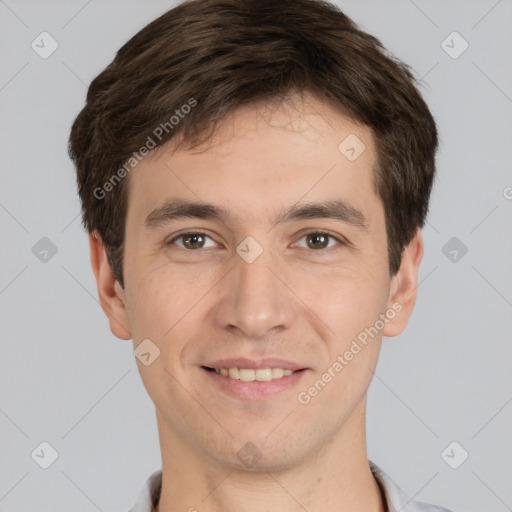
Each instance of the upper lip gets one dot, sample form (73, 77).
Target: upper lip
(255, 364)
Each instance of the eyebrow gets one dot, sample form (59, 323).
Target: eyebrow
(329, 209)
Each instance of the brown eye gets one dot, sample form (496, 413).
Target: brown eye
(320, 240)
(191, 240)
(317, 240)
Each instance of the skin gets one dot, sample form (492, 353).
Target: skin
(201, 304)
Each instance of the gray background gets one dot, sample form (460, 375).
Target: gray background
(65, 379)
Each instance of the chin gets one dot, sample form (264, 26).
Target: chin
(263, 456)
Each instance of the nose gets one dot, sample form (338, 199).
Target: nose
(255, 299)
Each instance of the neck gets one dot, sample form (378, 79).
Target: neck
(335, 478)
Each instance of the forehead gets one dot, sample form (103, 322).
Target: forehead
(262, 155)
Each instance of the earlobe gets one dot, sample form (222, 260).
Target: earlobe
(403, 287)
(110, 293)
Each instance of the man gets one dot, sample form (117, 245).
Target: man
(254, 176)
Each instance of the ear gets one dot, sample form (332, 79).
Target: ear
(402, 294)
(110, 293)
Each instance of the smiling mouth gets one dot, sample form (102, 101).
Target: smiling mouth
(250, 374)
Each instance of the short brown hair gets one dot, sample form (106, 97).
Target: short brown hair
(224, 54)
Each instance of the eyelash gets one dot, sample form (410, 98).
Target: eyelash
(340, 241)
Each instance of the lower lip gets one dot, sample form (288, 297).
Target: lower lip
(255, 390)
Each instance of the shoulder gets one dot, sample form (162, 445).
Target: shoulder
(149, 494)
(397, 500)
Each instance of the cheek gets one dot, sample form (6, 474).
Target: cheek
(347, 301)
(157, 305)
(350, 308)
(162, 312)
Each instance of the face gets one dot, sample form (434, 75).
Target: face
(281, 265)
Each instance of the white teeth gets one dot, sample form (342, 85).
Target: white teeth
(249, 374)
(263, 374)
(234, 373)
(277, 373)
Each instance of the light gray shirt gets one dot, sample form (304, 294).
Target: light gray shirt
(396, 499)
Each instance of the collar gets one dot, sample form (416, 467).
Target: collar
(395, 499)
